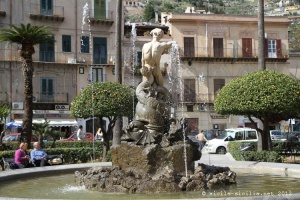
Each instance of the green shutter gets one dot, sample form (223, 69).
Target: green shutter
(100, 9)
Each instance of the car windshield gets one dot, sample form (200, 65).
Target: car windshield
(225, 134)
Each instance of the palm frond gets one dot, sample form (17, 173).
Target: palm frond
(27, 34)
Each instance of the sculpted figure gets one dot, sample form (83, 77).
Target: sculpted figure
(152, 110)
(151, 54)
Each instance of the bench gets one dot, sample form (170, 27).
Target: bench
(52, 160)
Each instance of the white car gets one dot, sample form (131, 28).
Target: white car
(219, 145)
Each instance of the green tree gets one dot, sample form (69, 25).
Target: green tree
(104, 99)
(268, 95)
(149, 12)
(27, 36)
(41, 130)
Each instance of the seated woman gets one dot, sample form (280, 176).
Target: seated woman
(22, 157)
(99, 135)
(38, 156)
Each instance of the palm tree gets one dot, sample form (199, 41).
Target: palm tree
(41, 130)
(27, 36)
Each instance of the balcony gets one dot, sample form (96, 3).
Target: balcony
(53, 57)
(50, 97)
(101, 17)
(55, 13)
(229, 55)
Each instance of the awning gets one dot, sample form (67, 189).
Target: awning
(52, 122)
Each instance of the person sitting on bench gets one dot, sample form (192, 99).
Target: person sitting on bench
(21, 157)
(38, 155)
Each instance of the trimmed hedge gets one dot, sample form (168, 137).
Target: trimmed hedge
(72, 152)
(260, 156)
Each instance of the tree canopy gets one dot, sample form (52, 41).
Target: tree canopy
(104, 99)
(4, 111)
(267, 95)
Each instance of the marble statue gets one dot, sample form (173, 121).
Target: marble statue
(152, 114)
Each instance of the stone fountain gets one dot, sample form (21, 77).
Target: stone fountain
(155, 155)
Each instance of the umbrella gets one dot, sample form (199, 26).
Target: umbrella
(13, 125)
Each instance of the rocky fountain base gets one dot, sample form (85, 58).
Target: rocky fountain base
(155, 169)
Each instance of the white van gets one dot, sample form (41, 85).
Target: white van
(219, 144)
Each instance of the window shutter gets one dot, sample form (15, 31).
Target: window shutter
(189, 47)
(266, 48)
(278, 49)
(189, 90)
(247, 47)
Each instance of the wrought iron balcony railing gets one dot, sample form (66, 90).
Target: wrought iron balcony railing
(48, 97)
(41, 11)
(238, 52)
(57, 57)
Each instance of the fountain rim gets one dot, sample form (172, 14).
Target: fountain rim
(51, 170)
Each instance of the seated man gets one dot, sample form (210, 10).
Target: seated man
(38, 155)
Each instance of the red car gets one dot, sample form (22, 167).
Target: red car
(87, 137)
(15, 137)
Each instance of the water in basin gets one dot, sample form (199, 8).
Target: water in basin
(62, 186)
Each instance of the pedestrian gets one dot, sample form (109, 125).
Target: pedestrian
(202, 139)
(80, 135)
(99, 135)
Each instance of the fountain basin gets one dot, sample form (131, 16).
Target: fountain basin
(62, 186)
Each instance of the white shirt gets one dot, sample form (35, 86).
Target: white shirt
(79, 134)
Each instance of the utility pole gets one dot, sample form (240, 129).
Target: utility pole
(118, 68)
(261, 36)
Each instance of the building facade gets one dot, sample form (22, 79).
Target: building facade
(215, 49)
(83, 52)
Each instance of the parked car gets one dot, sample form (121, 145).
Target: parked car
(15, 137)
(87, 137)
(277, 135)
(219, 144)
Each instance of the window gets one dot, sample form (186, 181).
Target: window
(98, 75)
(100, 50)
(66, 43)
(47, 90)
(273, 49)
(99, 10)
(239, 136)
(218, 47)
(85, 44)
(251, 135)
(189, 108)
(218, 84)
(247, 47)
(189, 90)
(189, 47)
(47, 52)
(46, 7)
(139, 59)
